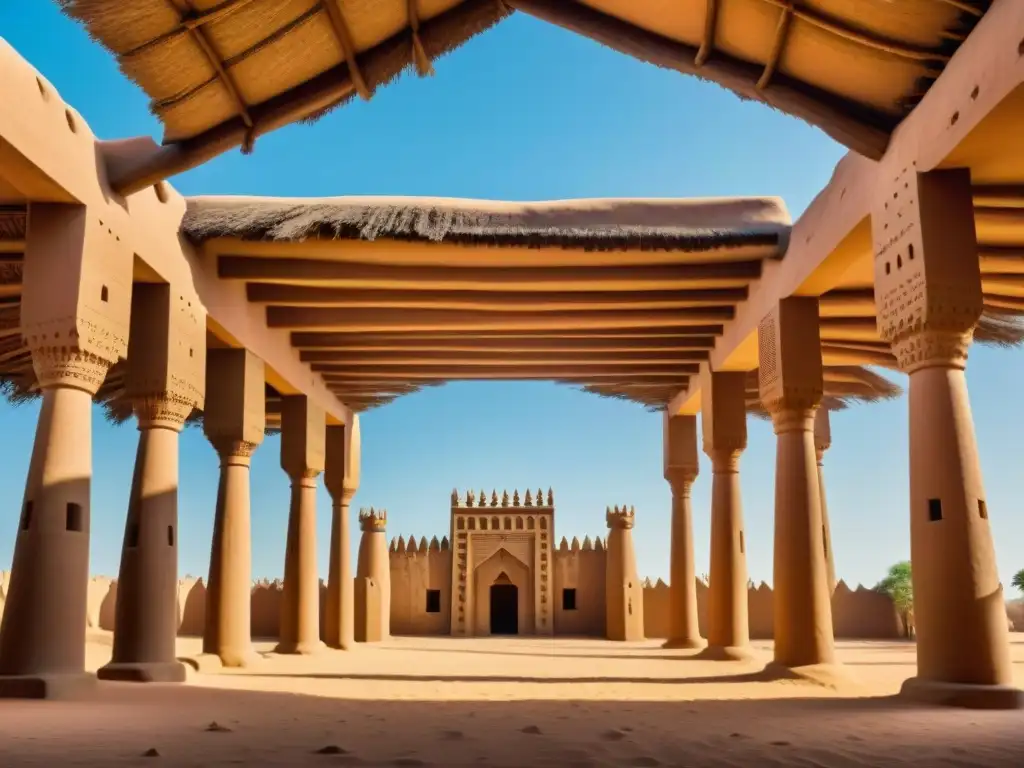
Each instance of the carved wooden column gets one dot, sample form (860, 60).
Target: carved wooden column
(76, 302)
(681, 468)
(165, 378)
(822, 442)
(624, 594)
(234, 421)
(303, 434)
(342, 479)
(929, 297)
(373, 579)
(790, 378)
(724, 422)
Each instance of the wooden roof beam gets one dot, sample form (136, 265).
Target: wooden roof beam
(346, 343)
(859, 128)
(560, 375)
(310, 296)
(376, 320)
(348, 48)
(362, 359)
(343, 274)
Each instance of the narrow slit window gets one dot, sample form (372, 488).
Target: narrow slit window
(133, 535)
(934, 510)
(26, 516)
(104, 294)
(982, 509)
(824, 540)
(170, 535)
(568, 599)
(74, 518)
(741, 543)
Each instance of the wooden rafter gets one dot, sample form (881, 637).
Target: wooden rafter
(348, 48)
(778, 45)
(707, 44)
(419, 54)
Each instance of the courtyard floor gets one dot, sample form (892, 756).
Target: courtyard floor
(562, 703)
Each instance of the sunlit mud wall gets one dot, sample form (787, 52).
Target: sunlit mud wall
(579, 569)
(421, 595)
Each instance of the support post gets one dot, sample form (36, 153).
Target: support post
(681, 468)
(822, 442)
(928, 294)
(341, 476)
(234, 422)
(165, 379)
(76, 303)
(724, 423)
(302, 458)
(790, 380)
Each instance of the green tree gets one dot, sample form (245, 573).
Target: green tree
(1018, 580)
(898, 585)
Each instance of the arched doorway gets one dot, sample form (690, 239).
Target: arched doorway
(504, 606)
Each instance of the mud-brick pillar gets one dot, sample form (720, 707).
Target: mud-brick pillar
(234, 421)
(790, 379)
(341, 475)
(681, 467)
(373, 579)
(165, 379)
(724, 423)
(303, 437)
(76, 302)
(624, 594)
(822, 442)
(929, 298)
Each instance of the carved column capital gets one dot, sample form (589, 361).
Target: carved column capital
(793, 415)
(162, 411)
(233, 451)
(924, 347)
(304, 477)
(345, 497)
(59, 366)
(724, 460)
(680, 479)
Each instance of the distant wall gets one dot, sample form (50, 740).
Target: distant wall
(415, 569)
(857, 613)
(580, 567)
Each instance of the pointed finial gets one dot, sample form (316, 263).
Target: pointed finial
(540, 498)
(551, 498)
(575, 544)
(435, 545)
(394, 545)
(411, 546)
(504, 498)
(563, 545)
(515, 498)
(528, 500)
(401, 546)
(455, 497)
(494, 498)
(470, 498)
(444, 543)
(588, 545)
(483, 498)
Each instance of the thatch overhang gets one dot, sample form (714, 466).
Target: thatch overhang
(221, 73)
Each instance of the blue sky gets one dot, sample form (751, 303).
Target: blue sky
(523, 112)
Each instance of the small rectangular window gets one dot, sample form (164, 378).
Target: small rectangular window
(74, 518)
(982, 509)
(132, 540)
(433, 601)
(934, 510)
(26, 516)
(568, 599)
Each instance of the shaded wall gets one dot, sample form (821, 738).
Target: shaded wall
(859, 613)
(580, 567)
(415, 569)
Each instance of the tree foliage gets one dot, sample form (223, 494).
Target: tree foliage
(1018, 581)
(899, 585)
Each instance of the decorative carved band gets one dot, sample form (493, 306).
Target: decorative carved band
(471, 499)
(69, 367)
(923, 348)
(795, 417)
(232, 451)
(724, 461)
(163, 411)
(307, 477)
(680, 479)
(345, 497)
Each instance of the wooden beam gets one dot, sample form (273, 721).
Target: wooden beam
(347, 343)
(617, 335)
(485, 301)
(342, 274)
(551, 369)
(564, 376)
(376, 320)
(488, 358)
(862, 129)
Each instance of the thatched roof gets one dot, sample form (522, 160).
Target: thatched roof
(607, 224)
(220, 73)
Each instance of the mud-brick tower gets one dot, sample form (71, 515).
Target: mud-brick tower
(373, 579)
(624, 594)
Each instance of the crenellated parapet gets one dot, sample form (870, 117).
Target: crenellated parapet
(411, 547)
(471, 499)
(373, 520)
(620, 517)
(574, 547)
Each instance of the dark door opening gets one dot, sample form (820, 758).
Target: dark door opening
(504, 609)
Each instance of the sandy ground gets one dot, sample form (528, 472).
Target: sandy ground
(519, 702)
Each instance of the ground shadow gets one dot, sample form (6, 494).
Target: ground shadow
(196, 725)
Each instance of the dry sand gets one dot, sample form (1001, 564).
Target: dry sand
(517, 702)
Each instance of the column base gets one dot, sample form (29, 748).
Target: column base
(685, 643)
(301, 648)
(348, 646)
(58, 686)
(144, 672)
(727, 653)
(211, 662)
(832, 676)
(962, 695)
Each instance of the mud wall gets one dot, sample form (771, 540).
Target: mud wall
(579, 567)
(417, 569)
(856, 613)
